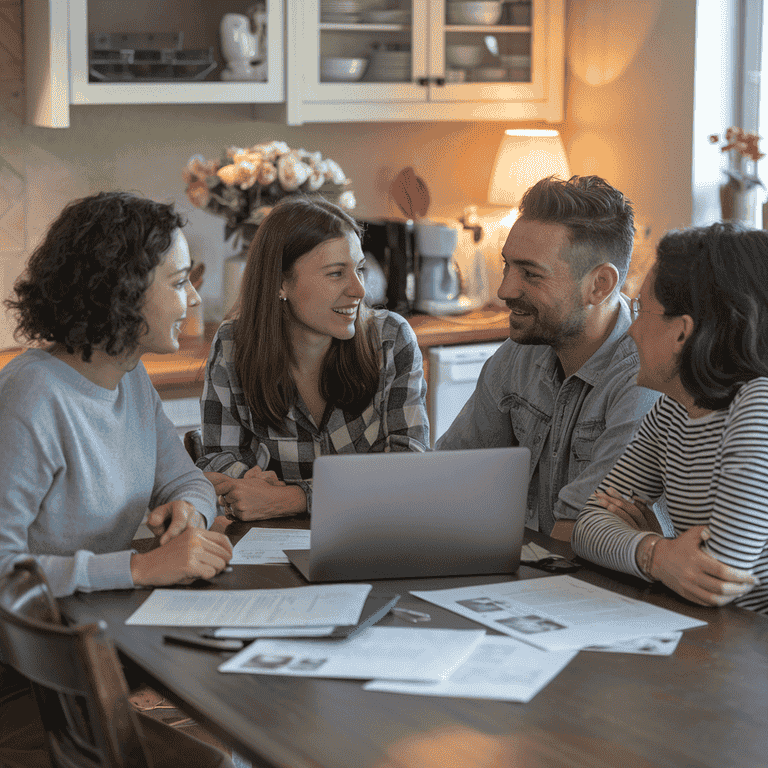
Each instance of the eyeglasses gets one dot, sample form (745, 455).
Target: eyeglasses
(636, 309)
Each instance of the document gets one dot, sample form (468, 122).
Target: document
(558, 613)
(500, 668)
(377, 652)
(661, 645)
(334, 604)
(264, 546)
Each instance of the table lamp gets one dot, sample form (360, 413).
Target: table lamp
(525, 157)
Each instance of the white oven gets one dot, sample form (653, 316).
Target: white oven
(453, 373)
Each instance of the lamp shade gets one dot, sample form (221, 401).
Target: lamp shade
(525, 157)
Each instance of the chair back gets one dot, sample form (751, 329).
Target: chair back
(76, 676)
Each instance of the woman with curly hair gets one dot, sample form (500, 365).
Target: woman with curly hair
(305, 368)
(701, 329)
(86, 446)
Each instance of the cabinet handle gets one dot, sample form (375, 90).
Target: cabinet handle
(439, 81)
(423, 81)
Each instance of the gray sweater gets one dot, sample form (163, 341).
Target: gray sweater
(79, 467)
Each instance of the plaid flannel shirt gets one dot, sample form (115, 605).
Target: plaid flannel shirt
(396, 419)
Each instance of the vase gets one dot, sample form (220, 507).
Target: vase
(740, 203)
(234, 266)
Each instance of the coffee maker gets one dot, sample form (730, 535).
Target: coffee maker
(438, 286)
(390, 243)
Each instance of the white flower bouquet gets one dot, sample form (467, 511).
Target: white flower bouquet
(247, 182)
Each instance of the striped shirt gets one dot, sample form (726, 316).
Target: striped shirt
(396, 419)
(710, 471)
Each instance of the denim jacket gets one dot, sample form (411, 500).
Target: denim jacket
(575, 428)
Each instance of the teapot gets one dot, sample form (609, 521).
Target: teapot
(240, 48)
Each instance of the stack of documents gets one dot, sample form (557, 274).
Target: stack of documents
(544, 623)
(254, 609)
(559, 613)
(379, 652)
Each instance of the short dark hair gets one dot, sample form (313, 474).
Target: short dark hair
(84, 284)
(599, 218)
(719, 276)
(350, 374)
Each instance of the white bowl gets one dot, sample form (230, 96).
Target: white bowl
(463, 55)
(474, 12)
(341, 70)
(490, 74)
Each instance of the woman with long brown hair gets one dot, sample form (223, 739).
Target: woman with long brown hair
(305, 368)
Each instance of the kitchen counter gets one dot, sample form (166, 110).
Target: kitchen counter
(181, 374)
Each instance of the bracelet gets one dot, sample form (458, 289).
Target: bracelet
(647, 563)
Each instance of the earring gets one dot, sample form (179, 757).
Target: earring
(283, 298)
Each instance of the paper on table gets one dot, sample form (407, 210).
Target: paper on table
(378, 652)
(264, 546)
(660, 645)
(559, 612)
(499, 668)
(337, 604)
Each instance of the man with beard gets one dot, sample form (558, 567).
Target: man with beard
(563, 384)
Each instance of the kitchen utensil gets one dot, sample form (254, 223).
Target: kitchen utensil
(492, 44)
(463, 55)
(387, 16)
(489, 74)
(474, 12)
(390, 243)
(519, 67)
(239, 46)
(438, 286)
(455, 75)
(410, 193)
(344, 70)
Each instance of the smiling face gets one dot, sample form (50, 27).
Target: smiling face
(545, 302)
(166, 300)
(324, 289)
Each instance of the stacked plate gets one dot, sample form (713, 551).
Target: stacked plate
(341, 11)
(389, 67)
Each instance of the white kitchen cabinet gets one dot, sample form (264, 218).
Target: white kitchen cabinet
(59, 72)
(427, 90)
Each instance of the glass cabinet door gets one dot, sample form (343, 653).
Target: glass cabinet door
(183, 51)
(488, 51)
(358, 50)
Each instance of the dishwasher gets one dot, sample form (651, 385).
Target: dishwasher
(453, 374)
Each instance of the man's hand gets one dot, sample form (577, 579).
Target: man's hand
(169, 520)
(193, 554)
(685, 567)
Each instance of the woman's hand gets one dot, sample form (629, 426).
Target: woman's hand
(193, 554)
(169, 520)
(258, 495)
(685, 567)
(634, 512)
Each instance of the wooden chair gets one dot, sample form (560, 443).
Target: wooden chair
(80, 688)
(193, 442)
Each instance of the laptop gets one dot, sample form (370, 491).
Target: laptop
(410, 515)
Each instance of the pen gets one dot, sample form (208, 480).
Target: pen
(205, 644)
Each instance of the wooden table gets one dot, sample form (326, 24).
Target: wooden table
(706, 706)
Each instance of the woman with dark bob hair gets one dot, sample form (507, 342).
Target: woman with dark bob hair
(701, 329)
(305, 368)
(86, 447)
